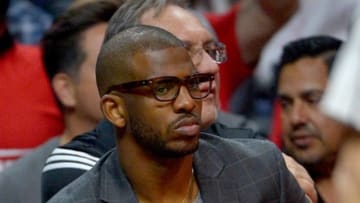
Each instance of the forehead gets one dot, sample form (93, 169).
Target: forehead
(303, 75)
(173, 61)
(180, 22)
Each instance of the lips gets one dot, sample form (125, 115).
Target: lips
(189, 126)
(302, 140)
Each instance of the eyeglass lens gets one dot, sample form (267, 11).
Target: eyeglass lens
(168, 88)
(217, 51)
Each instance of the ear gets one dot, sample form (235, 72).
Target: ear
(113, 108)
(64, 89)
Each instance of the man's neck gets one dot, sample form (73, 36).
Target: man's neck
(322, 175)
(158, 180)
(326, 189)
(75, 126)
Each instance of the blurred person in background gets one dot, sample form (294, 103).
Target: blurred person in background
(308, 135)
(245, 29)
(333, 19)
(70, 50)
(29, 113)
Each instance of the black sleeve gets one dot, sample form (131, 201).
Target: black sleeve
(68, 162)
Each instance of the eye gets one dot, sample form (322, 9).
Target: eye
(194, 83)
(285, 103)
(161, 89)
(165, 86)
(313, 98)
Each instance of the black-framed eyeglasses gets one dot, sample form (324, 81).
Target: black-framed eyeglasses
(167, 88)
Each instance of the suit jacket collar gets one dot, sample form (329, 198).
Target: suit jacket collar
(114, 186)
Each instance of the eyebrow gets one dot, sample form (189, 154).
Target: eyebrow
(303, 94)
(312, 92)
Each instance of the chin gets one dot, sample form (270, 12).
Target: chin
(180, 150)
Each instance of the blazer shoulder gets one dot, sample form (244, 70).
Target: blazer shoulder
(240, 147)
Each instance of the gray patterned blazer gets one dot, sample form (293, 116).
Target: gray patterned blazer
(227, 171)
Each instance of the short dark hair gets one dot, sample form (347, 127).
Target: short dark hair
(130, 12)
(325, 47)
(114, 63)
(62, 43)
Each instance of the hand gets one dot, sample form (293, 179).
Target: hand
(303, 178)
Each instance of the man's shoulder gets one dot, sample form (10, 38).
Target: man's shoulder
(240, 147)
(81, 153)
(233, 132)
(34, 159)
(75, 157)
(25, 171)
(79, 190)
(86, 188)
(96, 142)
(68, 162)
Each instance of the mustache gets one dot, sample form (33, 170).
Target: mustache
(304, 129)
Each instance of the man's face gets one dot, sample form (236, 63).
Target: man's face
(165, 128)
(308, 135)
(87, 96)
(187, 27)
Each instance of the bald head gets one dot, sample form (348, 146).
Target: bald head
(114, 63)
(130, 13)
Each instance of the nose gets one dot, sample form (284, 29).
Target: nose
(299, 114)
(184, 102)
(204, 63)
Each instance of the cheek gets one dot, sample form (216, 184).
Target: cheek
(285, 121)
(89, 100)
(334, 135)
(88, 90)
(150, 112)
(207, 65)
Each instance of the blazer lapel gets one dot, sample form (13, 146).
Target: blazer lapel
(114, 186)
(207, 166)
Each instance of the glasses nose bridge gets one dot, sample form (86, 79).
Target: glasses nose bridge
(183, 99)
(184, 83)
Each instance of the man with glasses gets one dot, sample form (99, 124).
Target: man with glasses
(70, 161)
(152, 94)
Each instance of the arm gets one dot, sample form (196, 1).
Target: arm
(257, 21)
(62, 167)
(303, 178)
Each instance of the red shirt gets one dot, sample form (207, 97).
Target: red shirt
(29, 113)
(234, 71)
(275, 134)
